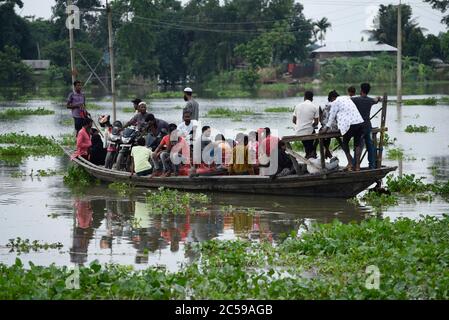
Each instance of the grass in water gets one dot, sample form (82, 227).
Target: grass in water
(170, 201)
(421, 102)
(77, 178)
(379, 201)
(409, 255)
(122, 189)
(421, 129)
(279, 109)
(128, 109)
(19, 113)
(395, 154)
(228, 113)
(166, 95)
(20, 245)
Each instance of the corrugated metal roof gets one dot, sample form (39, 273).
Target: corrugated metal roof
(355, 46)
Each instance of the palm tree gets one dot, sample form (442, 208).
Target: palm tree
(321, 27)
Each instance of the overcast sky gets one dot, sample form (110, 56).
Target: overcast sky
(348, 17)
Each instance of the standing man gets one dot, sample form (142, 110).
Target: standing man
(77, 103)
(350, 123)
(191, 106)
(305, 118)
(364, 104)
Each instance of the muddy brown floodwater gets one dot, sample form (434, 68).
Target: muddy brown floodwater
(112, 229)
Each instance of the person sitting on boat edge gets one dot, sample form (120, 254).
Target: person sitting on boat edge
(136, 103)
(240, 164)
(305, 118)
(140, 156)
(138, 119)
(155, 129)
(350, 123)
(97, 150)
(163, 145)
(83, 142)
(285, 163)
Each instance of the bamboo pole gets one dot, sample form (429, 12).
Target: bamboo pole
(72, 48)
(399, 57)
(382, 131)
(111, 61)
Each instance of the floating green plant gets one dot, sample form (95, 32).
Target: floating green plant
(122, 188)
(19, 113)
(420, 129)
(166, 201)
(228, 113)
(279, 109)
(20, 245)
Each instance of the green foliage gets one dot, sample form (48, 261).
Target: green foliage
(279, 109)
(388, 141)
(228, 113)
(170, 201)
(68, 139)
(249, 79)
(77, 178)
(329, 262)
(407, 183)
(19, 113)
(423, 102)
(395, 154)
(359, 69)
(122, 189)
(128, 109)
(25, 146)
(380, 200)
(415, 128)
(13, 73)
(166, 95)
(20, 245)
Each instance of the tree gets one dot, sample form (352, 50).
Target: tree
(13, 73)
(321, 26)
(443, 6)
(14, 30)
(385, 30)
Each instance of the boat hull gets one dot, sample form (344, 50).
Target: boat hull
(339, 184)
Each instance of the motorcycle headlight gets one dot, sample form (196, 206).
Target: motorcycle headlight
(126, 140)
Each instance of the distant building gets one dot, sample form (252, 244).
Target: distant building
(37, 65)
(349, 49)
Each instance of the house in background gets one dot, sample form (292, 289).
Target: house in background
(349, 49)
(37, 65)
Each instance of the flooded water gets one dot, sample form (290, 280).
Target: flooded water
(112, 229)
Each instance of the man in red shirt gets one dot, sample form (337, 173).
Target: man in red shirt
(171, 152)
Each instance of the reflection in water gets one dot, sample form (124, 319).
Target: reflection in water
(113, 223)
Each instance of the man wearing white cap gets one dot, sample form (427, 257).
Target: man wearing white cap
(139, 118)
(192, 106)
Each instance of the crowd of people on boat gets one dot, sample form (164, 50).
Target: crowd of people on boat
(149, 146)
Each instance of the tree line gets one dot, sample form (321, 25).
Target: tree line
(172, 42)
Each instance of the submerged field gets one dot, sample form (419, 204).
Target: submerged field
(132, 243)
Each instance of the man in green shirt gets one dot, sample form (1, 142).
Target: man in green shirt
(140, 156)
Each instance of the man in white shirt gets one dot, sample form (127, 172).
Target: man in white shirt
(188, 127)
(305, 118)
(349, 122)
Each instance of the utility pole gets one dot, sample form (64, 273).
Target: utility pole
(111, 61)
(399, 58)
(72, 48)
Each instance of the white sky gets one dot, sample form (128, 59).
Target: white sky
(348, 17)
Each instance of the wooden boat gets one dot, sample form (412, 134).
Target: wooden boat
(335, 184)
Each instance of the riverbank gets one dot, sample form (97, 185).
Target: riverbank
(376, 259)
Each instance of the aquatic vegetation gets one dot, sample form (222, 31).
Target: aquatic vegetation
(68, 140)
(329, 262)
(77, 178)
(424, 197)
(279, 109)
(20, 245)
(122, 189)
(170, 201)
(166, 95)
(19, 113)
(388, 141)
(92, 106)
(395, 154)
(228, 113)
(128, 110)
(407, 183)
(421, 129)
(233, 93)
(422, 102)
(68, 122)
(39, 173)
(379, 200)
